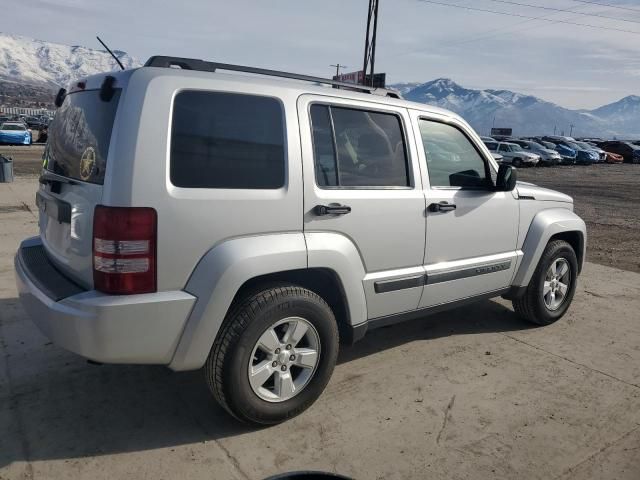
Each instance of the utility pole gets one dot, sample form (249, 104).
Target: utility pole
(370, 42)
(571, 131)
(338, 67)
(554, 129)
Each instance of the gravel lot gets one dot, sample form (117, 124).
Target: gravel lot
(607, 197)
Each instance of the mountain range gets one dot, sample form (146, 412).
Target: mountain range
(525, 114)
(30, 70)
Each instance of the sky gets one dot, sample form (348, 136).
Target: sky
(573, 66)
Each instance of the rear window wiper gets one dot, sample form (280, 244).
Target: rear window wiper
(51, 178)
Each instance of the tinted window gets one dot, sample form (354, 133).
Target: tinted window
(503, 148)
(225, 140)
(8, 126)
(491, 145)
(358, 148)
(79, 136)
(323, 146)
(452, 160)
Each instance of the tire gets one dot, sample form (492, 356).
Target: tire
(517, 162)
(533, 305)
(235, 354)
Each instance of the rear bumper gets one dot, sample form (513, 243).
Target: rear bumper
(142, 329)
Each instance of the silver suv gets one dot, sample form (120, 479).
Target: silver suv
(245, 224)
(513, 154)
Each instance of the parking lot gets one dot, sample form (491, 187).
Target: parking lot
(473, 393)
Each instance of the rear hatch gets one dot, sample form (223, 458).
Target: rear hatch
(75, 162)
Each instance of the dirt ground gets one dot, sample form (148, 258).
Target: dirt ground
(607, 197)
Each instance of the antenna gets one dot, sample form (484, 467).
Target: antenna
(111, 53)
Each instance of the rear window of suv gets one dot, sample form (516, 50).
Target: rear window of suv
(79, 136)
(227, 140)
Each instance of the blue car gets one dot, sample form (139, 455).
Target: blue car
(585, 156)
(568, 154)
(15, 133)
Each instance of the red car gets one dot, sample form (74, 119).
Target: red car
(614, 158)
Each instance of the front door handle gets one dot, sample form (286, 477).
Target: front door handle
(322, 210)
(442, 207)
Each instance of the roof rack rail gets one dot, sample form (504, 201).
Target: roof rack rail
(204, 66)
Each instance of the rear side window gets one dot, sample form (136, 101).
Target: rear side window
(79, 136)
(227, 140)
(358, 148)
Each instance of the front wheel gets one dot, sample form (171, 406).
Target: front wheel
(274, 355)
(552, 286)
(517, 162)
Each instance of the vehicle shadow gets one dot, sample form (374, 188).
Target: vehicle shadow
(483, 317)
(54, 405)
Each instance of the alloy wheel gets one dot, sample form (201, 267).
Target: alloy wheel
(284, 359)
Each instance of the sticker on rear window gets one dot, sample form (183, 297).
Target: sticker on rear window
(87, 163)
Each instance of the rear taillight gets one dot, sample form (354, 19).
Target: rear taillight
(124, 250)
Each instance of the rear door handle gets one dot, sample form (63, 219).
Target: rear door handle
(322, 210)
(442, 207)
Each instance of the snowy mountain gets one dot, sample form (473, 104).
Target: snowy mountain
(525, 114)
(34, 62)
(621, 113)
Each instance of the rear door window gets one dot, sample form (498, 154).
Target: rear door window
(358, 148)
(227, 140)
(79, 136)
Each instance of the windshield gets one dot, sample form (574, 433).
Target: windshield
(79, 136)
(7, 126)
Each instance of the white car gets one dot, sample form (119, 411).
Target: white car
(513, 154)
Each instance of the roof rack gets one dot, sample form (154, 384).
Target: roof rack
(204, 66)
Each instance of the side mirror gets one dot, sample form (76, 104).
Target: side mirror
(507, 178)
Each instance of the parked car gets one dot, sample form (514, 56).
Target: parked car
(629, 151)
(487, 139)
(513, 154)
(548, 156)
(567, 154)
(497, 157)
(585, 156)
(614, 158)
(14, 133)
(246, 248)
(601, 154)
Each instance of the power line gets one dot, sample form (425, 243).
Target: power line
(529, 17)
(501, 31)
(564, 10)
(608, 5)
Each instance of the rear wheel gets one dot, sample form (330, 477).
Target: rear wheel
(552, 286)
(274, 355)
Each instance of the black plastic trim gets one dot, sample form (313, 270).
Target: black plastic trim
(43, 274)
(525, 197)
(413, 314)
(516, 291)
(54, 207)
(384, 286)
